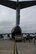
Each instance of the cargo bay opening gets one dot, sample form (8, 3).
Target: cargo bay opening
(16, 31)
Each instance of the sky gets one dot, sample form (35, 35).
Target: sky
(8, 19)
(23, 0)
(27, 0)
(28, 19)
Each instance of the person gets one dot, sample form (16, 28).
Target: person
(28, 37)
(24, 39)
(34, 41)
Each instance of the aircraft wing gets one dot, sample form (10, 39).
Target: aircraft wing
(10, 4)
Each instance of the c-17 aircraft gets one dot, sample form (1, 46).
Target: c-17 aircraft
(17, 6)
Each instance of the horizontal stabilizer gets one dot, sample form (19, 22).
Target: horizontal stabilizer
(14, 4)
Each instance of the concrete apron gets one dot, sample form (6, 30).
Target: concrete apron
(8, 48)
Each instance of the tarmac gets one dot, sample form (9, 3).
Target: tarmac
(26, 48)
(7, 47)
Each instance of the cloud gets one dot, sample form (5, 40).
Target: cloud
(8, 19)
(22, 0)
(12, 0)
(7, 13)
(28, 19)
(27, 0)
